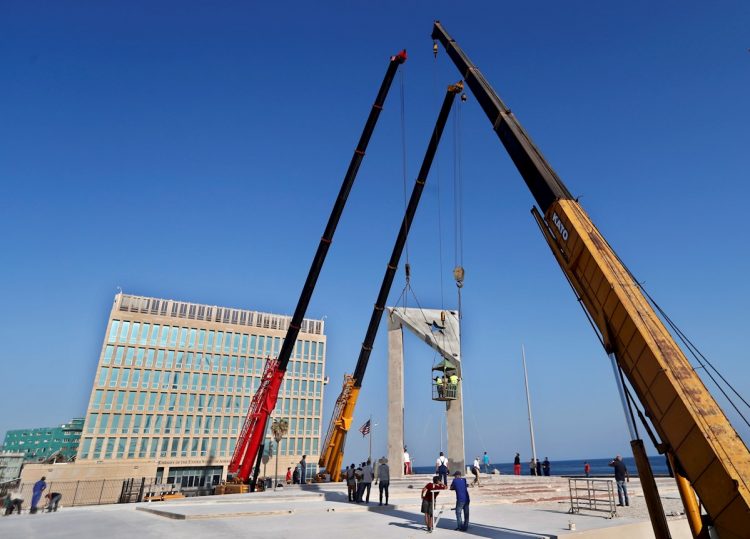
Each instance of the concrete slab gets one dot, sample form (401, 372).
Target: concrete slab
(322, 511)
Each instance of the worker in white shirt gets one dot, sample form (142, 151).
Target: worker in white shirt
(441, 468)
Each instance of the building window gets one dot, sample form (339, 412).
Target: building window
(113, 330)
(108, 352)
(85, 448)
(91, 423)
(124, 331)
(98, 448)
(134, 333)
(144, 334)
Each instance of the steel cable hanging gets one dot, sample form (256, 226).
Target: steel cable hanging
(440, 203)
(458, 188)
(403, 168)
(696, 353)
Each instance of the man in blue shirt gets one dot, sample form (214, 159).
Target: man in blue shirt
(486, 462)
(621, 473)
(39, 487)
(462, 501)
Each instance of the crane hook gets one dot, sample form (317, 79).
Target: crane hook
(463, 97)
(434, 49)
(458, 275)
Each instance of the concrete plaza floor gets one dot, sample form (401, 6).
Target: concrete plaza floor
(504, 508)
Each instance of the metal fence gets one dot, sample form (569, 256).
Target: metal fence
(9, 486)
(592, 495)
(76, 492)
(102, 491)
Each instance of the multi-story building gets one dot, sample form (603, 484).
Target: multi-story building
(10, 466)
(174, 382)
(40, 444)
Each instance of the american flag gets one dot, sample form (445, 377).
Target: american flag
(365, 429)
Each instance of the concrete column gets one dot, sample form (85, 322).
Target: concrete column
(455, 430)
(396, 399)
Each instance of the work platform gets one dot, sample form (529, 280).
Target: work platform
(505, 507)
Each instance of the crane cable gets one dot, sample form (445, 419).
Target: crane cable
(407, 266)
(439, 200)
(694, 351)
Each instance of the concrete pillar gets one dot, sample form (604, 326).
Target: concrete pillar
(455, 431)
(441, 333)
(396, 399)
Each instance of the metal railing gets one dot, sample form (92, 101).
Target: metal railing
(9, 486)
(75, 493)
(592, 495)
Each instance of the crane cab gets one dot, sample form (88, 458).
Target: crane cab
(444, 381)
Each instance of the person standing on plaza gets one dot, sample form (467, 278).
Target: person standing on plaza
(587, 468)
(441, 468)
(303, 470)
(475, 471)
(407, 462)
(360, 485)
(351, 483)
(545, 466)
(517, 464)
(367, 476)
(462, 501)
(429, 494)
(621, 475)
(39, 487)
(532, 467)
(384, 479)
(538, 468)
(288, 475)
(486, 462)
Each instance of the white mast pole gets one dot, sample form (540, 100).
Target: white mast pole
(528, 402)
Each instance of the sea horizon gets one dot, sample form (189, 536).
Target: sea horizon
(570, 467)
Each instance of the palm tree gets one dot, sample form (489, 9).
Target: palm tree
(279, 428)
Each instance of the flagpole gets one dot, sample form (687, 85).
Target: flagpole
(528, 404)
(371, 429)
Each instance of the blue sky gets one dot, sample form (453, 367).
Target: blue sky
(193, 150)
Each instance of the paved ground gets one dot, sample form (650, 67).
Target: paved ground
(504, 508)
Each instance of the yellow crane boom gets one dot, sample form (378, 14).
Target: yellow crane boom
(692, 426)
(333, 449)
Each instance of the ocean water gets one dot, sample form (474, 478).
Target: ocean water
(599, 467)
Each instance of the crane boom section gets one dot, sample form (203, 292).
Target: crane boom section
(333, 450)
(541, 180)
(398, 247)
(332, 455)
(254, 429)
(325, 241)
(689, 421)
(683, 412)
